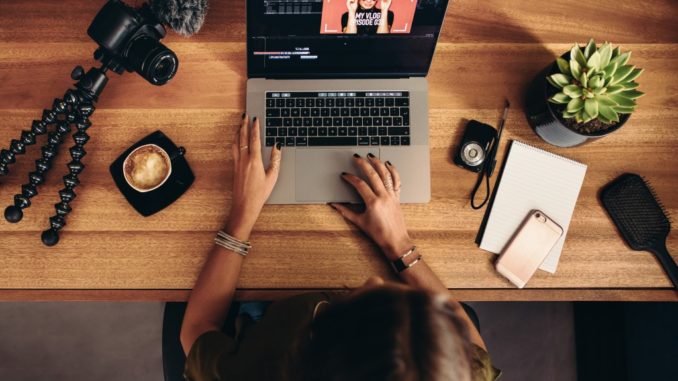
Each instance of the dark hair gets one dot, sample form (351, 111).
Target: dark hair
(386, 334)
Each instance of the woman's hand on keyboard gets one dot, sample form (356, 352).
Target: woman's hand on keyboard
(252, 184)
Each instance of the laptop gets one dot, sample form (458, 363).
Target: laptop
(328, 81)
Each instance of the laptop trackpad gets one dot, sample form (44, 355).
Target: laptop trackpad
(318, 174)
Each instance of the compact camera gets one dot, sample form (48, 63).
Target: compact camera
(131, 38)
(474, 149)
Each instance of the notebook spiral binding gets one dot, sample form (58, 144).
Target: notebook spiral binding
(548, 152)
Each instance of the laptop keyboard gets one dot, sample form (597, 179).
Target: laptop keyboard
(368, 118)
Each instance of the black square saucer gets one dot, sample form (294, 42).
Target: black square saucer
(180, 180)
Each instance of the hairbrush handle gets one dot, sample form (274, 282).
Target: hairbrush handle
(667, 262)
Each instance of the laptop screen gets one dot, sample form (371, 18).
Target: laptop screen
(342, 38)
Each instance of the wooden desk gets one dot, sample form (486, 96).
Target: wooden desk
(488, 50)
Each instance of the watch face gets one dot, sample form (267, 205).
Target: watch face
(398, 265)
(406, 261)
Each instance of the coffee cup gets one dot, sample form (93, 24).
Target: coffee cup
(148, 167)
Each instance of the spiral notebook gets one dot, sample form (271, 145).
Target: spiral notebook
(533, 179)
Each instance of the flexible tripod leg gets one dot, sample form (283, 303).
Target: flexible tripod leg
(50, 237)
(18, 147)
(76, 108)
(39, 127)
(14, 213)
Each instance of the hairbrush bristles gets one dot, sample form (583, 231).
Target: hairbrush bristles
(635, 209)
(640, 218)
(659, 202)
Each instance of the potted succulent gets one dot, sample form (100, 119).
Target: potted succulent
(584, 95)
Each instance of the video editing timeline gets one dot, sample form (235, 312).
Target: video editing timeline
(293, 7)
(303, 53)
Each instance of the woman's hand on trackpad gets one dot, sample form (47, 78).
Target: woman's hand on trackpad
(382, 219)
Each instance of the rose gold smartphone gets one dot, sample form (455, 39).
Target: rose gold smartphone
(528, 248)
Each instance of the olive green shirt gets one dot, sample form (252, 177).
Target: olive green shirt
(260, 350)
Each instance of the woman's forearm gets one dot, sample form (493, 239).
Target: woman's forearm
(213, 292)
(252, 184)
(422, 277)
(383, 221)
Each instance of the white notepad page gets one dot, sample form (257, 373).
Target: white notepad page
(533, 179)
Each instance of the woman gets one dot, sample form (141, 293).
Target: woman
(364, 18)
(381, 331)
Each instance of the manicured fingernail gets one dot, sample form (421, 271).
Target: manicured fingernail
(254, 120)
(244, 114)
(370, 155)
(278, 146)
(356, 155)
(388, 163)
(344, 173)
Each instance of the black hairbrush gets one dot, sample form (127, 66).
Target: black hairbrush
(640, 218)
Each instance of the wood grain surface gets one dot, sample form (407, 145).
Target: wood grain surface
(489, 50)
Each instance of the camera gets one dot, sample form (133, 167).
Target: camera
(474, 148)
(130, 38)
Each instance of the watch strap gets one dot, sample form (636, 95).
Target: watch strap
(399, 265)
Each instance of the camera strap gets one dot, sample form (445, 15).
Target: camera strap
(490, 163)
(485, 173)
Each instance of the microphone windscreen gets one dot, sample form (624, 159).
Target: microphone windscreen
(183, 16)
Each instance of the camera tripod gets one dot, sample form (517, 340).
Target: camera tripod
(74, 109)
(129, 40)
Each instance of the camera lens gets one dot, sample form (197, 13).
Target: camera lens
(472, 154)
(164, 67)
(152, 60)
(161, 68)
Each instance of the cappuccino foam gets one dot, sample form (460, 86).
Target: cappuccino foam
(146, 168)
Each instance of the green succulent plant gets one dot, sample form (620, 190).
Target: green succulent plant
(597, 83)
